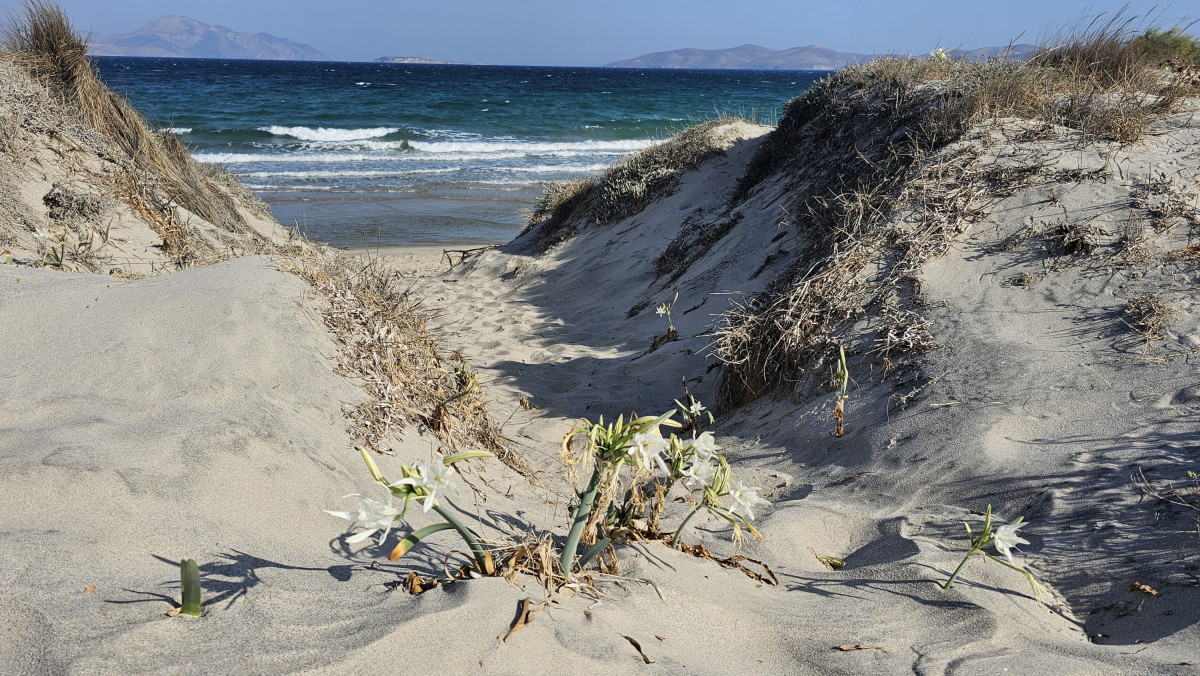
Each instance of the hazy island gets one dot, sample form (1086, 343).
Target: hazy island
(181, 37)
(809, 57)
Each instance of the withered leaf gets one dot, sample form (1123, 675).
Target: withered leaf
(1145, 589)
(846, 647)
(524, 615)
(637, 646)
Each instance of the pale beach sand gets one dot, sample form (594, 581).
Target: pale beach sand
(204, 413)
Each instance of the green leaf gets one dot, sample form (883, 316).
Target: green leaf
(416, 536)
(465, 455)
(189, 579)
(590, 553)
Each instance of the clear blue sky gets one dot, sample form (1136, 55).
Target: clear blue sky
(568, 32)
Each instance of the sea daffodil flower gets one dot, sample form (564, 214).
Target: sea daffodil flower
(648, 447)
(705, 445)
(371, 514)
(430, 478)
(746, 497)
(1005, 538)
(699, 471)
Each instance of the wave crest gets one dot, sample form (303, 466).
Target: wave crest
(325, 134)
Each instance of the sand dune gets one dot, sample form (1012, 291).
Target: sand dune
(1042, 361)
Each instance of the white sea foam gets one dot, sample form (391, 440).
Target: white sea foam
(533, 148)
(324, 134)
(178, 130)
(553, 168)
(353, 173)
(391, 158)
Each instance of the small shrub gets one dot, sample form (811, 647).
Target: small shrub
(1171, 45)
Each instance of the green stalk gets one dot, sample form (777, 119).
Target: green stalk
(679, 531)
(579, 520)
(481, 556)
(954, 575)
(189, 578)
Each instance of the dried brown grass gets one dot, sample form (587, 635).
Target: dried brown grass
(40, 39)
(388, 345)
(626, 187)
(857, 148)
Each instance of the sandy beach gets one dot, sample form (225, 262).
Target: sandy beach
(1014, 307)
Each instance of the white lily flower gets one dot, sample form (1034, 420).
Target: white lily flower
(696, 408)
(699, 471)
(663, 309)
(647, 451)
(746, 497)
(1005, 538)
(705, 445)
(371, 514)
(41, 234)
(431, 477)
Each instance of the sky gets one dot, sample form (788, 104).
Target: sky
(573, 33)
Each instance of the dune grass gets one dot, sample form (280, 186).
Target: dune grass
(40, 39)
(852, 149)
(626, 187)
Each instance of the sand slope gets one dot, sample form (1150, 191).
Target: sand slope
(199, 414)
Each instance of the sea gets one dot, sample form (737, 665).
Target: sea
(379, 154)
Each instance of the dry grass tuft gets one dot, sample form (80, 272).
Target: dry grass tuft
(41, 41)
(1147, 314)
(552, 213)
(388, 345)
(1073, 239)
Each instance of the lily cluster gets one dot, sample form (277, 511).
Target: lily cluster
(1004, 539)
(656, 463)
(428, 484)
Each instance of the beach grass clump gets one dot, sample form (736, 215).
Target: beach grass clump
(1147, 314)
(41, 41)
(626, 187)
(552, 212)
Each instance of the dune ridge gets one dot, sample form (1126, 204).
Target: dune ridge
(1018, 305)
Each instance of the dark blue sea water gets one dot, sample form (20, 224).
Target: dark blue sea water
(366, 153)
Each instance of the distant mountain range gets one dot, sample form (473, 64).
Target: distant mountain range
(181, 37)
(811, 57)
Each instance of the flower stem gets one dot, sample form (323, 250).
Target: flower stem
(954, 575)
(578, 521)
(679, 531)
(472, 542)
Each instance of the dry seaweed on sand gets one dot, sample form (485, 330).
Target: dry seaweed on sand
(388, 345)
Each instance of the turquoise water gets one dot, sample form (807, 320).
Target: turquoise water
(365, 153)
